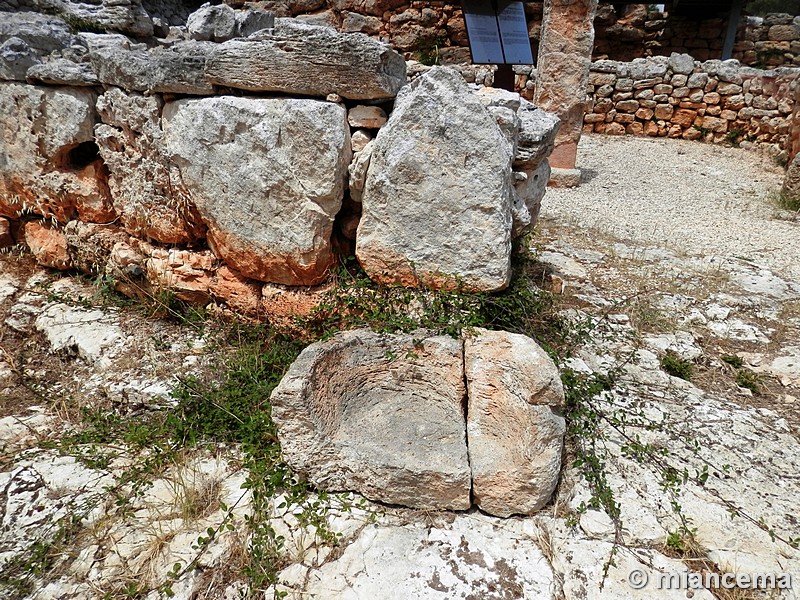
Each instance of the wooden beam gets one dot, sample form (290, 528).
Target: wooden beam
(733, 23)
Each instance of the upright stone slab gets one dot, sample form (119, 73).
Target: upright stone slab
(565, 55)
(438, 195)
(267, 176)
(379, 414)
(514, 429)
(297, 58)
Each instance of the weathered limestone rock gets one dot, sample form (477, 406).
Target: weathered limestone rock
(42, 32)
(185, 273)
(123, 16)
(358, 171)
(791, 181)
(565, 54)
(371, 117)
(48, 161)
(509, 123)
(530, 132)
(91, 334)
(490, 96)
(438, 195)
(6, 239)
(150, 204)
(282, 304)
(305, 59)
(16, 57)
(63, 72)
(90, 245)
(241, 294)
(250, 21)
(179, 69)
(381, 414)
(514, 432)
(360, 139)
(212, 23)
(530, 186)
(267, 176)
(48, 245)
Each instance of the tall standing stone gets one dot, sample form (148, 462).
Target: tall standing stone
(565, 54)
(438, 194)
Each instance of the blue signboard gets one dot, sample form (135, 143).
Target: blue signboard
(498, 32)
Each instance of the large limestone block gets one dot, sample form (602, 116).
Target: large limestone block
(179, 69)
(438, 195)
(212, 23)
(565, 55)
(61, 71)
(537, 133)
(149, 202)
(267, 176)
(514, 429)
(16, 57)
(380, 414)
(297, 58)
(123, 16)
(48, 161)
(42, 32)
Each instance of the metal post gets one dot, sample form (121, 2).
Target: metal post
(733, 23)
(504, 77)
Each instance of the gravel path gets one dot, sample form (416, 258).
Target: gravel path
(690, 197)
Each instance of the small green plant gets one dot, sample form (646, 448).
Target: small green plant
(427, 51)
(682, 543)
(74, 22)
(784, 201)
(356, 301)
(675, 542)
(704, 131)
(731, 359)
(676, 366)
(734, 135)
(749, 380)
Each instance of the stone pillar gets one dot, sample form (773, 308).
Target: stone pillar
(562, 76)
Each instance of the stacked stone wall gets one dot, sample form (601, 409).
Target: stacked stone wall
(679, 97)
(213, 166)
(435, 31)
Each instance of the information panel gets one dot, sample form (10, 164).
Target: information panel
(514, 33)
(498, 32)
(484, 34)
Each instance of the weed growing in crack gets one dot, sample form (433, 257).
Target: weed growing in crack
(676, 366)
(731, 359)
(784, 201)
(356, 301)
(749, 380)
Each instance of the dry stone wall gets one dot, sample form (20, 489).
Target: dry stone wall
(436, 31)
(716, 101)
(210, 164)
